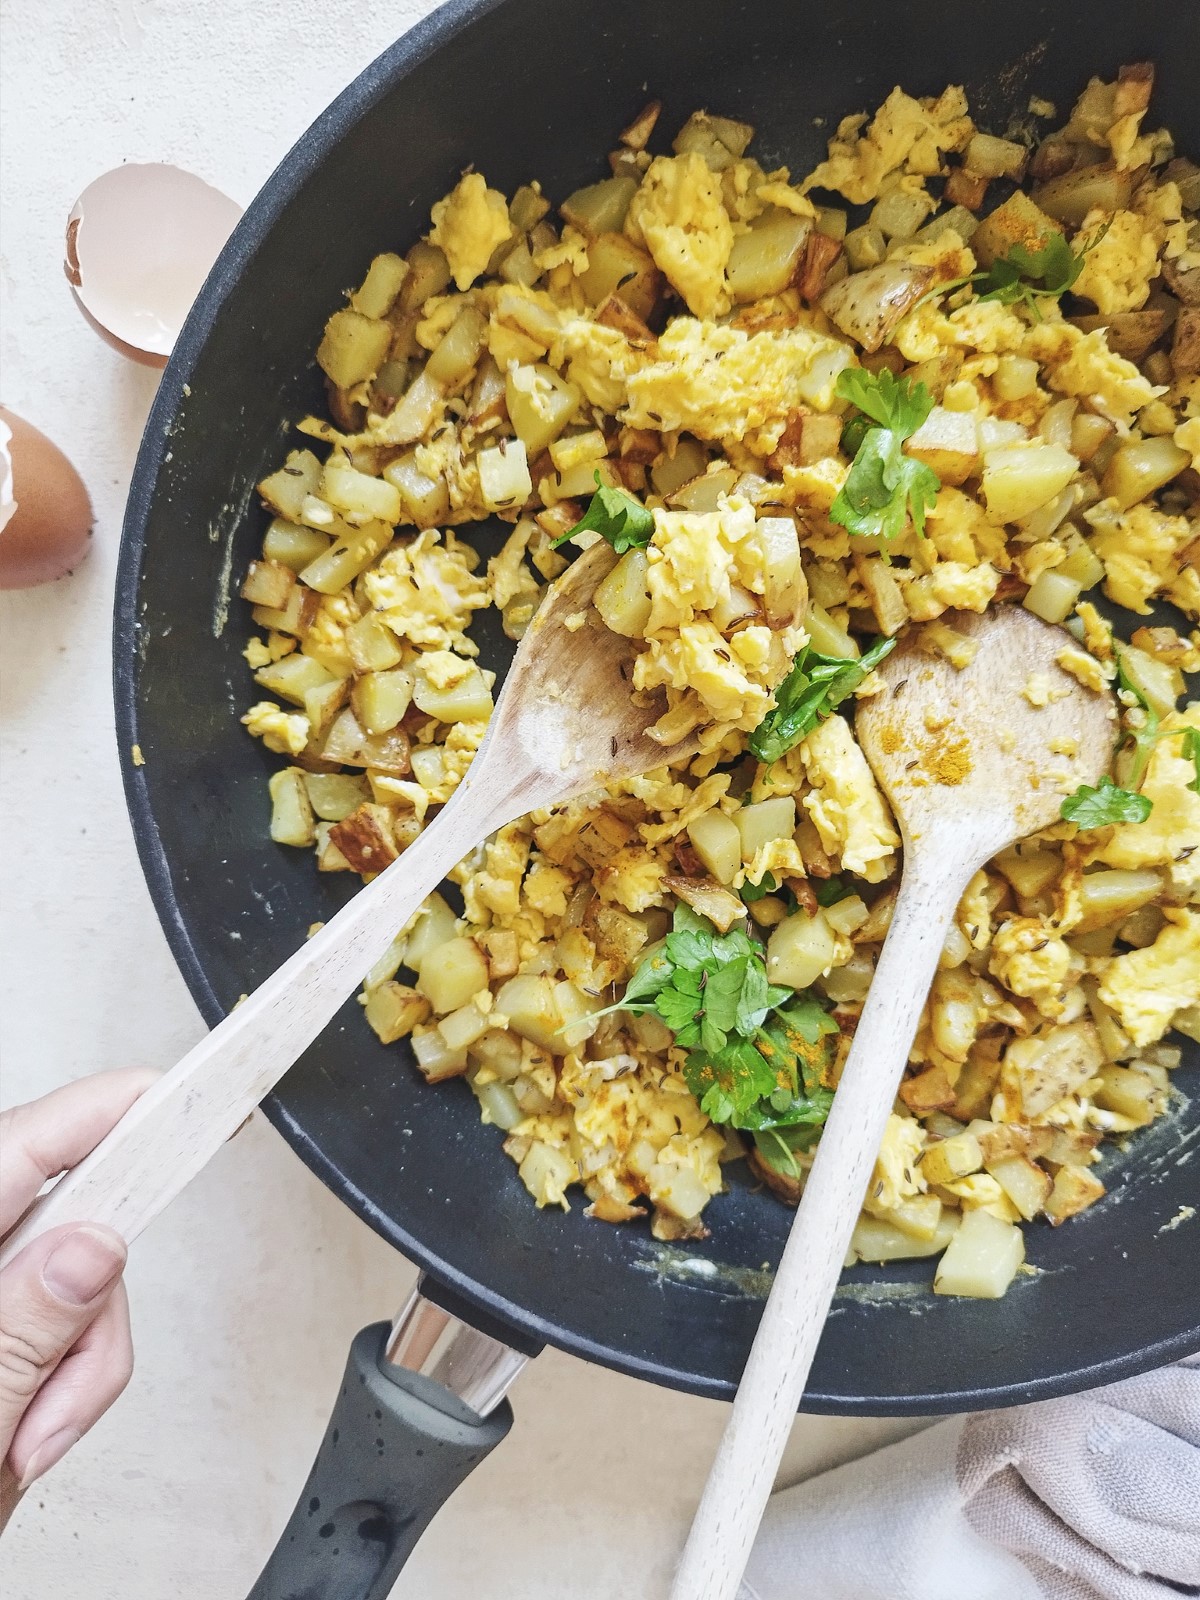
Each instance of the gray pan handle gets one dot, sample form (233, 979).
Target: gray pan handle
(389, 1460)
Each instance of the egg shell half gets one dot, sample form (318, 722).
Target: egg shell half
(45, 513)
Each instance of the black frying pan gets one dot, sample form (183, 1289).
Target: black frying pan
(537, 88)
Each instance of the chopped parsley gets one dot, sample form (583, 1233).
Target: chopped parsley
(885, 487)
(615, 516)
(757, 891)
(756, 1051)
(815, 687)
(1107, 803)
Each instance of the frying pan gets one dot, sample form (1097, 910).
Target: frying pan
(537, 88)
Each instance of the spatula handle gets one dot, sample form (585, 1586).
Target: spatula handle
(180, 1123)
(739, 1484)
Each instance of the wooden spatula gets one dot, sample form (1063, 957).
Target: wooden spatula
(565, 723)
(971, 760)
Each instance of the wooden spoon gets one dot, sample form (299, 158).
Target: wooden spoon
(970, 764)
(565, 723)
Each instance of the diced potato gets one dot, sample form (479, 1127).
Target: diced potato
(1044, 1068)
(354, 347)
(460, 1029)
(1018, 478)
(529, 1003)
(291, 813)
(380, 699)
(800, 950)
(428, 275)
(500, 1052)
(348, 743)
(293, 678)
(334, 795)
(1052, 595)
(373, 645)
(848, 914)
(365, 838)
(1075, 1188)
(928, 1091)
(1015, 378)
(385, 275)
(982, 1258)
(1185, 347)
(450, 974)
(785, 593)
(883, 592)
(458, 350)
(947, 441)
(600, 207)
(919, 1216)
(540, 405)
(1129, 333)
(867, 305)
(1070, 197)
(426, 500)
(1029, 868)
(414, 414)
(296, 617)
(1083, 566)
(344, 560)
(434, 925)
(618, 266)
(958, 220)
(765, 259)
(286, 489)
(623, 597)
(762, 824)
(498, 1105)
(703, 494)
(951, 1158)
(290, 545)
(1017, 221)
(393, 1010)
(865, 247)
(1140, 468)
(827, 636)
(546, 1173)
(875, 1239)
(1159, 682)
(504, 481)
(359, 495)
(1131, 1094)
(322, 704)
(899, 212)
(435, 1059)
(468, 700)
(1025, 1183)
(718, 843)
(267, 583)
(686, 462)
(989, 157)
(1112, 894)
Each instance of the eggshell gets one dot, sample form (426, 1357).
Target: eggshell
(45, 513)
(140, 242)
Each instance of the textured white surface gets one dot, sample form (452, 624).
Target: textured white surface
(245, 1296)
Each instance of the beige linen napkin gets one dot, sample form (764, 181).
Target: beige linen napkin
(1096, 1497)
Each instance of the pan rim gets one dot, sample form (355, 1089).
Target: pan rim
(380, 77)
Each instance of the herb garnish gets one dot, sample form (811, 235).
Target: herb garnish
(885, 486)
(1024, 276)
(766, 885)
(615, 516)
(755, 1050)
(1191, 752)
(816, 686)
(1107, 803)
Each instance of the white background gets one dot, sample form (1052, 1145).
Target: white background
(246, 1295)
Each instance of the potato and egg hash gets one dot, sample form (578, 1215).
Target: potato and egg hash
(945, 370)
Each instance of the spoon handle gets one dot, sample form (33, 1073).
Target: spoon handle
(179, 1124)
(768, 1396)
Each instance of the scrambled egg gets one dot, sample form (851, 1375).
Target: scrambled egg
(679, 215)
(618, 344)
(468, 225)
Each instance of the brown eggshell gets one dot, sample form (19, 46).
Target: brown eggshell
(140, 241)
(45, 513)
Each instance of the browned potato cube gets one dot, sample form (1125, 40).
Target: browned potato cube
(1017, 221)
(365, 838)
(930, 1090)
(1075, 1188)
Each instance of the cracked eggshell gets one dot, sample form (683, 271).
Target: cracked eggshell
(140, 242)
(45, 513)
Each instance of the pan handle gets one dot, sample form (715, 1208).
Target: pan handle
(398, 1444)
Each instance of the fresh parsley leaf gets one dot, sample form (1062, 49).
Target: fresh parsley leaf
(617, 517)
(778, 1147)
(829, 891)
(885, 487)
(816, 686)
(1190, 751)
(1096, 808)
(766, 885)
(1023, 276)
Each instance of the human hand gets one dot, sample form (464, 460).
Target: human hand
(65, 1351)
